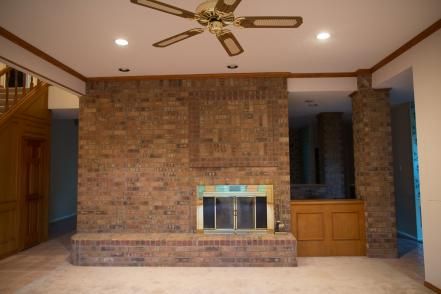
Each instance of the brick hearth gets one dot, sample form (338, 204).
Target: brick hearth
(174, 249)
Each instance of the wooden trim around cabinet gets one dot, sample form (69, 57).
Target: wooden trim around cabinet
(411, 43)
(194, 76)
(25, 45)
(432, 287)
(40, 76)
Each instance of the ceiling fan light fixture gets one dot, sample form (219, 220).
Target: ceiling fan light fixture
(323, 36)
(121, 42)
(232, 66)
(216, 16)
(124, 69)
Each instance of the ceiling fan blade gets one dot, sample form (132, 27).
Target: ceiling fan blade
(269, 21)
(227, 6)
(164, 8)
(230, 44)
(177, 38)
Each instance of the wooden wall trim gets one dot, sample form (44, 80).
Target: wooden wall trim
(194, 76)
(327, 202)
(323, 75)
(408, 45)
(432, 287)
(43, 55)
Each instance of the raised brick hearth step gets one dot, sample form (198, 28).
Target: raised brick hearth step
(184, 249)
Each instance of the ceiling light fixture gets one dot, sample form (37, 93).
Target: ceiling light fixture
(121, 42)
(232, 66)
(122, 69)
(323, 36)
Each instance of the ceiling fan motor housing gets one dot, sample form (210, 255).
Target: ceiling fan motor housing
(215, 20)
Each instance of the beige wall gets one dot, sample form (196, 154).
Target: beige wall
(61, 99)
(425, 61)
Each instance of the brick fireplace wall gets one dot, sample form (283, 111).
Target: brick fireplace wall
(330, 136)
(144, 146)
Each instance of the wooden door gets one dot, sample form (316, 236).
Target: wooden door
(33, 185)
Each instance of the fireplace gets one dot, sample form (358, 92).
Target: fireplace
(235, 227)
(235, 209)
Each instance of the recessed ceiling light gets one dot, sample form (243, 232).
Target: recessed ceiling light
(232, 66)
(122, 69)
(323, 36)
(121, 42)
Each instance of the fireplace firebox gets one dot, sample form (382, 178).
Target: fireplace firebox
(235, 209)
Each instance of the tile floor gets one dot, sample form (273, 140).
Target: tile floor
(46, 269)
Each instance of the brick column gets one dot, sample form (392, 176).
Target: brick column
(373, 165)
(330, 136)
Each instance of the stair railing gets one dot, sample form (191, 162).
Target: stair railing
(27, 84)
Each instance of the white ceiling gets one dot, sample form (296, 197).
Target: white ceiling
(301, 114)
(80, 33)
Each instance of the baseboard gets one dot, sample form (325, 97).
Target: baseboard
(407, 236)
(62, 225)
(62, 218)
(432, 287)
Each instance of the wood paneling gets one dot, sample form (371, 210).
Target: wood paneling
(329, 227)
(31, 120)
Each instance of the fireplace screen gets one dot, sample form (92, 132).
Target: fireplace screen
(235, 213)
(235, 208)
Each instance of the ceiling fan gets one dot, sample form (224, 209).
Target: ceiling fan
(216, 16)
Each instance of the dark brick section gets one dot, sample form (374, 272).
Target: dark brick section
(373, 166)
(295, 157)
(330, 137)
(309, 191)
(144, 146)
(183, 250)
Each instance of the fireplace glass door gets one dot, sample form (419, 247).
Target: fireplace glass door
(235, 213)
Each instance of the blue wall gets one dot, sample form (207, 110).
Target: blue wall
(64, 155)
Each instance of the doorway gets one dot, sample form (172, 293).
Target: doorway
(406, 167)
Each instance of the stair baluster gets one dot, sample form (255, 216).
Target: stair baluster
(23, 92)
(7, 90)
(11, 92)
(16, 85)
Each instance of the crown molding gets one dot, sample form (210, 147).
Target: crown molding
(43, 55)
(404, 48)
(322, 75)
(194, 76)
(408, 45)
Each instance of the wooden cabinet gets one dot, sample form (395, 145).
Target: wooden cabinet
(329, 227)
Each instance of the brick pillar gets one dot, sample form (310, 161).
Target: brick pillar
(330, 136)
(373, 165)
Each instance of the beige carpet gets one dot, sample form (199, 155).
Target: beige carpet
(45, 269)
